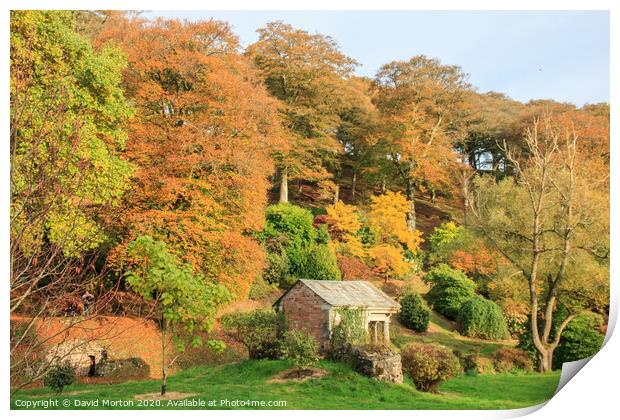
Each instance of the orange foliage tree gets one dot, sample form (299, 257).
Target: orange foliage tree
(307, 73)
(202, 139)
(420, 103)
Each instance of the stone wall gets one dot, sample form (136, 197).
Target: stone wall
(76, 353)
(382, 363)
(306, 311)
(74, 339)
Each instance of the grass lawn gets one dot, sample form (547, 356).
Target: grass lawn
(342, 388)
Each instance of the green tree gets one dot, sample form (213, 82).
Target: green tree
(582, 338)
(301, 348)
(67, 116)
(450, 288)
(295, 246)
(187, 303)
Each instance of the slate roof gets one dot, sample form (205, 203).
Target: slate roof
(354, 293)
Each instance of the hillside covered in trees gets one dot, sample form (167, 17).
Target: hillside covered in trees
(160, 170)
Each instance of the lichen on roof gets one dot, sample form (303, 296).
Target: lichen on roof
(353, 293)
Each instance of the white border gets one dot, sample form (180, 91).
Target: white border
(591, 395)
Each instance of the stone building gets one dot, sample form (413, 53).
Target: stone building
(311, 306)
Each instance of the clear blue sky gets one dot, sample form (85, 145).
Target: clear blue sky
(561, 55)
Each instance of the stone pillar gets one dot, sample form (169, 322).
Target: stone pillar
(386, 331)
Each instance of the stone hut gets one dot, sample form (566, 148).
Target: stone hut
(311, 306)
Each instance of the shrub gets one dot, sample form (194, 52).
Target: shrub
(510, 360)
(322, 234)
(450, 288)
(257, 330)
(277, 270)
(414, 313)
(59, 377)
(428, 365)
(316, 262)
(482, 318)
(581, 338)
(321, 264)
(462, 250)
(444, 234)
(516, 315)
(300, 348)
(293, 222)
(474, 364)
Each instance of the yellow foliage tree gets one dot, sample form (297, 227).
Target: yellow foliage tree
(387, 219)
(344, 223)
(388, 261)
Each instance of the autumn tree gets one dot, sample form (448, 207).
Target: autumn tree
(186, 302)
(549, 222)
(67, 132)
(306, 73)
(202, 140)
(344, 224)
(419, 102)
(488, 121)
(393, 239)
(358, 119)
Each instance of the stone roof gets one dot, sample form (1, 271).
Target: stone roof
(353, 293)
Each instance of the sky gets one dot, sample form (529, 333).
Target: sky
(560, 55)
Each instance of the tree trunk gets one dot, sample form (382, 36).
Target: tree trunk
(353, 185)
(163, 355)
(284, 186)
(337, 194)
(495, 167)
(465, 192)
(411, 222)
(545, 361)
(383, 186)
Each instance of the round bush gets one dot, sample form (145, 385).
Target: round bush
(319, 263)
(414, 313)
(581, 339)
(294, 222)
(473, 365)
(277, 270)
(59, 377)
(450, 288)
(482, 318)
(257, 330)
(510, 360)
(300, 348)
(429, 364)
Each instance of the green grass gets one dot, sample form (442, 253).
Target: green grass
(342, 388)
